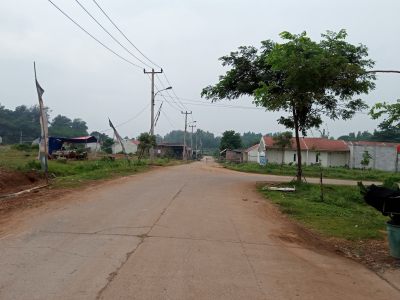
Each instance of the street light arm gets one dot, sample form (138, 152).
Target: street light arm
(168, 88)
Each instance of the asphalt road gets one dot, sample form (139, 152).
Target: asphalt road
(178, 233)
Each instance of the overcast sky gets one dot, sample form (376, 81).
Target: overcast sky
(82, 79)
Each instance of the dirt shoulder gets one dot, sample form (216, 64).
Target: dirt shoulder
(14, 211)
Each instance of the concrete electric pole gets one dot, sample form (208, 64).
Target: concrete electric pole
(191, 140)
(152, 110)
(184, 138)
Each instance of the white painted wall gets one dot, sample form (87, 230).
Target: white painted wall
(383, 157)
(334, 158)
(129, 147)
(92, 146)
(252, 156)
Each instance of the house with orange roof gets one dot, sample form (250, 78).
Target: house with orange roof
(334, 153)
(250, 155)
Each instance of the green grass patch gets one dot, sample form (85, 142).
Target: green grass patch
(91, 169)
(314, 171)
(343, 213)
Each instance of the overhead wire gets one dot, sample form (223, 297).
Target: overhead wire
(124, 34)
(94, 37)
(168, 93)
(128, 120)
(165, 75)
(138, 51)
(111, 34)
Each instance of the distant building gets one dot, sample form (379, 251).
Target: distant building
(234, 156)
(131, 146)
(175, 150)
(384, 155)
(251, 155)
(334, 153)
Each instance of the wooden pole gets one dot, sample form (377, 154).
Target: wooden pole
(44, 133)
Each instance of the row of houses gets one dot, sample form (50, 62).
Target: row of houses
(334, 153)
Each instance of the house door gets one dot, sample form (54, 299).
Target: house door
(280, 154)
(328, 163)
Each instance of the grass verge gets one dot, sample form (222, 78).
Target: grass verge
(73, 173)
(343, 214)
(314, 171)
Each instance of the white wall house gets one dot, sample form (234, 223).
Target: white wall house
(251, 155)
(384, 155)
(334, 153)
(129, 145)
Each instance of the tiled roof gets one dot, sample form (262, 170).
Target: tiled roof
(308, 143)
(371, 143)
(135, 142)
(252, 147)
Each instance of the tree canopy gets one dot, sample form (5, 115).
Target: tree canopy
(230, 140)
(302, 78)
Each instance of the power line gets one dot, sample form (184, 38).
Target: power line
(124, 35)
(94, 37)
(168, 93)
(111, 34)
(221, 105)
(165, 75)
(136, 49)
(128, 120)
(164, 96)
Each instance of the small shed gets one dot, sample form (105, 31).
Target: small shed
(250, 155)
(234, 156)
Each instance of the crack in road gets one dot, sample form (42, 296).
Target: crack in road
(76, 254)
(128, 255)
(167, 237)
(176, 271)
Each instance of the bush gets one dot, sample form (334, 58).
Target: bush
(35, 147)
(34, 164)
(120, 152)
(21, 147)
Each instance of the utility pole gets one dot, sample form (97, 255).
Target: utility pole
(20, 138)
(184, 138)
(196, 144)
(152, 109)
(191, 141)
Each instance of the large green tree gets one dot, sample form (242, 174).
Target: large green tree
(302, 78)
(230, 140)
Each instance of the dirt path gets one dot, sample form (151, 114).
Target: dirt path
(177, 233)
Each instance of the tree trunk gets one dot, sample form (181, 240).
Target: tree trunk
(296, 127)
(283, 156)
(322, 189)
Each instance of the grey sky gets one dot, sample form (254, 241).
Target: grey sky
(81, 79)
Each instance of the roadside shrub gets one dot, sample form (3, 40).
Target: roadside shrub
(21, 147)
(391, 183)
(130, 153)
(138, 163)
(120, 152)
(34, 164)
(35, 147)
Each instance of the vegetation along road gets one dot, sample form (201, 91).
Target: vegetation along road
(195, 231)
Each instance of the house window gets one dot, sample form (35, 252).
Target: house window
(316, 158)
(294, 157)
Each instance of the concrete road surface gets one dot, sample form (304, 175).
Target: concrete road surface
(182, 233)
